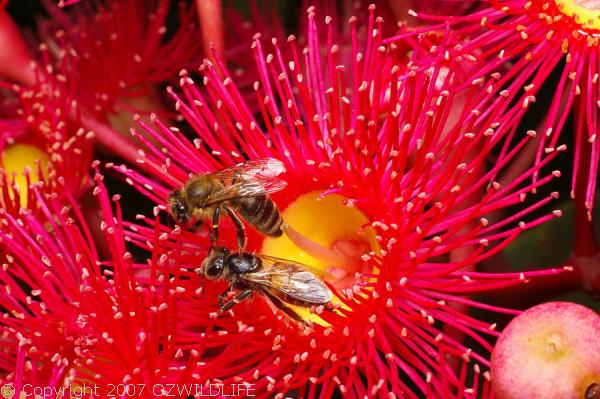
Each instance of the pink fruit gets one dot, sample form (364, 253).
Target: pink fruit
(550, 351)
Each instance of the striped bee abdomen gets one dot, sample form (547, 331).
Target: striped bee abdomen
(261, 213)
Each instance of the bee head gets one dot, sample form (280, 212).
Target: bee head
(178, 207)
(213, 265)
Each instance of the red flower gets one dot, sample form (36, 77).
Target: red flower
(121, 51)
(534, 38)
(42, 131)
(73, 320)
(386, 171)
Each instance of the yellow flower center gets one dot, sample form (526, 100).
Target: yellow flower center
(16, 158)
(327, 235)
(585, 12)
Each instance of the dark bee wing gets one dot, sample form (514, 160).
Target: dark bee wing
(248, 179)
(294, 280)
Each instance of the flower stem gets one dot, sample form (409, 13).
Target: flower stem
(112, 141)
(210, 14)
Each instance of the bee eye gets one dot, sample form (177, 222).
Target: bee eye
(215, 269)
(179, 210)
(213, 265)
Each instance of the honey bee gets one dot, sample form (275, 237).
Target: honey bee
(241, 189)
(281, 281)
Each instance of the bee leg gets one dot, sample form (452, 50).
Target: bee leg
(214, 231)
(236, 299)
(241, 231)
(196, 226)
(283, 307)
(221, 298)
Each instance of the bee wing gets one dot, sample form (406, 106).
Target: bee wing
(257, 169)
(292, 279)
(269, 261)
(248, 179)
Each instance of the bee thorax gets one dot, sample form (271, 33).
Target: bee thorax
(244, 262)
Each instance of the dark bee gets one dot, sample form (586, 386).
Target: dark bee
(241, 189)
(281, 281)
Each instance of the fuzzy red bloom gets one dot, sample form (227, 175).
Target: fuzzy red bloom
(41, 122)
(74, 320)
(387, 175)
(80, 324)
(122, 51)
(535, 38)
